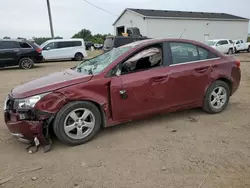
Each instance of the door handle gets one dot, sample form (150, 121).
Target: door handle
(16, 50)
(160, 78)
(201, 70)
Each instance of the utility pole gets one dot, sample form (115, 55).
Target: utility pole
(50, 20)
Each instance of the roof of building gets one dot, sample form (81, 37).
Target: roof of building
(182, 14)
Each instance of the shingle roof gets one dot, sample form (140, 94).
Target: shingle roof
(184, 14)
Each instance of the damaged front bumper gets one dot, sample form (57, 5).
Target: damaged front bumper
(26, 128)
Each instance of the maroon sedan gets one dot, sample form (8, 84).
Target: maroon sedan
(126, 83)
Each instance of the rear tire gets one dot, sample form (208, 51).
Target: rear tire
(26, 63)
(72, 127)
(230, 51)
(78, 57)
(217, 97)
(235, 50)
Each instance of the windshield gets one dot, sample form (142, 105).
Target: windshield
(44, 44)
(99, 63)
(211, 42)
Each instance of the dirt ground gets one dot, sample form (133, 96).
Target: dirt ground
(179, 150)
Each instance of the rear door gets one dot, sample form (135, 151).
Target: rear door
(243, 45)
(225, 45)
(189, 74)
(64, 50)
(9, 53)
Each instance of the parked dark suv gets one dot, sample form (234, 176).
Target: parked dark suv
(117, 41)
(19, 52)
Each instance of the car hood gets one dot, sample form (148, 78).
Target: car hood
(49, 83)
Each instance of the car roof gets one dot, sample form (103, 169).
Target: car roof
(64, 40)
(218, 39)
(15, 40)
(153, 41)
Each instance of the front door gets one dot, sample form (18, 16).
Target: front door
(141, 89)
(50, 51)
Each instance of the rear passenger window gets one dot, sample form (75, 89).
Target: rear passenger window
(183, 52)
(68, 44)
(8, 45)
(223, 42)
(77, 43)
(205, 54)
(24, 45)
(65, 44)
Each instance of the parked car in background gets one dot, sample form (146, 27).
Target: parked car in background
(57, 49)
(98, 46)
(129, 82)
(19, 52)
(117, 41)
(88, 45)
(240, 45)
(225, 46)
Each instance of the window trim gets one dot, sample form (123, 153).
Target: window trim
(189, 62)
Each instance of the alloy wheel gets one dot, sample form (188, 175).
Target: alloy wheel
(218, 97)
(79, 123)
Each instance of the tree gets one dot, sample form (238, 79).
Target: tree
(6, 37)
(87, 36)
(40, 40)
(84, 34)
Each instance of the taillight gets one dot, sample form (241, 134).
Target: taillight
(237, 64)
(39, 50)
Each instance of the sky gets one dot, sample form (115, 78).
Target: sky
(28, 18)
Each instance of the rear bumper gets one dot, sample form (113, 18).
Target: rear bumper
(38, 58)
(236, 80)
(24, 130)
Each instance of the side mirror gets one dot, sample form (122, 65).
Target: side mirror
(47, 48)
(217, 44)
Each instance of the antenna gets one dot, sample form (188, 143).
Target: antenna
(183, 32)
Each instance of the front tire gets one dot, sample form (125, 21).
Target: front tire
(78, 57)
(26, 63)
(248, 49)
(77, 123)
(217, 97)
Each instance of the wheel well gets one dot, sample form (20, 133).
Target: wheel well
(79, 53)
(101, 111)
(51, 130)
(228, 82)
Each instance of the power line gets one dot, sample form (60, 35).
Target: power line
(100, 8)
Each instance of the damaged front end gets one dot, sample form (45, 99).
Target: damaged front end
(28, 123)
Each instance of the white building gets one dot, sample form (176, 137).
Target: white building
(199, 26)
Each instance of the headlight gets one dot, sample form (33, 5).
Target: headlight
(28, 102)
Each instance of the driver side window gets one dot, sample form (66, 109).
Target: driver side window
(143, 60)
